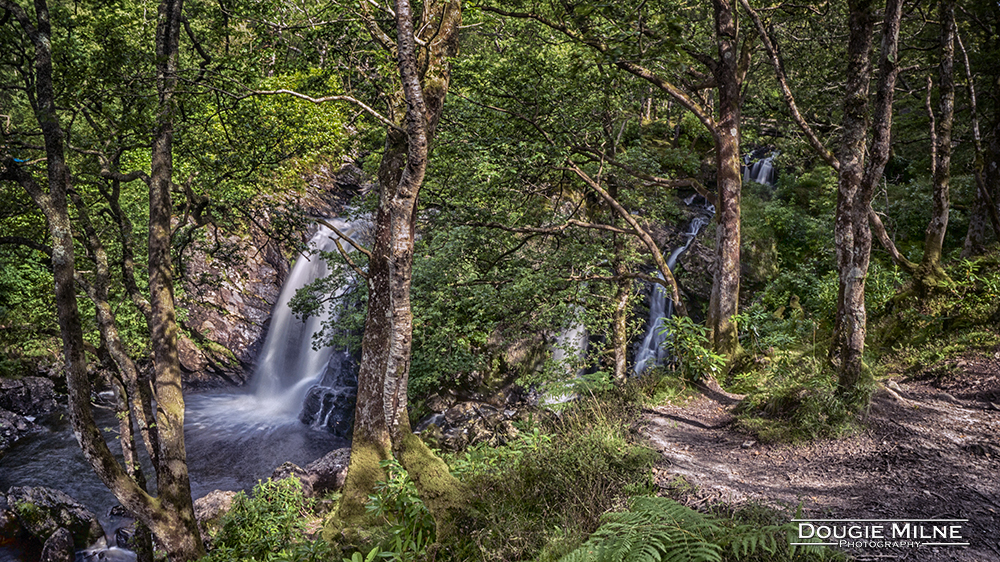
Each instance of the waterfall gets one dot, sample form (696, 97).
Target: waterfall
(651, 351)
(295, 380)
(289, 366)
(760, 170)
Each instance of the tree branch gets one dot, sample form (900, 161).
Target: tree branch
(20, 240)
(661, 264)
(651, 179)
(558, 229)
(365, 107)
(343, 253)
(786, 91)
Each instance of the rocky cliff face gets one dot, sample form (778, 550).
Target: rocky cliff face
(233, 280)
(229, 303)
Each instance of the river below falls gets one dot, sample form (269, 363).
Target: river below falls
(233, 440)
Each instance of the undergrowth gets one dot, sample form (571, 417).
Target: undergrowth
(657, 529)
(270, 525)
(546, 491)
(792, 398)
(921, 333)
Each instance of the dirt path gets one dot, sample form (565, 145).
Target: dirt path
(931, 450)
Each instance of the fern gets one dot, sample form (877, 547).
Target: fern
(654, 530)
(662, 530)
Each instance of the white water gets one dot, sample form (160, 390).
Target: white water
(762, 171)
(651, 351)
(232, 439)
(288, 365)
(569, 354)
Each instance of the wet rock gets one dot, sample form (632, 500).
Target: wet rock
(42, 511)
(12, 428)
(129, 538)
(120, 511)
(324, 475)
(330, 409)
(209, 510)
(28, 396)
(327, 474)
(9, 525)
(59, 547)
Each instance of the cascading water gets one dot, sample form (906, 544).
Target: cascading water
(233, 439)
(651, 351)
(760, 170)
(295, 380)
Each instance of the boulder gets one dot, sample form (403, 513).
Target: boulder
(327, 474)
(59, 547)
(231, 284)
(290, 469)
(12, 428)
(468, 423)
(28, 396)
(9, 525)
(209, 510)
(42, 511)
(324, 475)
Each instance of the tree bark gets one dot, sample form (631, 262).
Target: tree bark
(178, 532)
(724, 301)
(856, 184)
(165, 515)
(852, 235)
(381, 427)
(931, 272)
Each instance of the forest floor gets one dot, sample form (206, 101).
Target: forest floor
(930, 449)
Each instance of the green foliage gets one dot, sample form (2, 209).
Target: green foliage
(792, 396)
(916, 332)
(659, 385)
(396, 504)
(551, 486)
(691, 349)
(268, 526)
(659, 529)
(653, 530)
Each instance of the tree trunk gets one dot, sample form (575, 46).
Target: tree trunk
(724, 302)
(931, 273)
(985, 209)
(851, 232)
(381, 426)
(170, 516)
(178, 529)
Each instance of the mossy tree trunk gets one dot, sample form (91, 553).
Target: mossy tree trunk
(856, 183)
(929, 273)
(169, 515)
(724, 302)
(381, 427)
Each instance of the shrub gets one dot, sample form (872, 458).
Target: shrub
(270, 525)
(548, 490)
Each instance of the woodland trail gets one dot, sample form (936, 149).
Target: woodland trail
(931, 449)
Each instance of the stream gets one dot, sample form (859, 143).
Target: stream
(298, 407)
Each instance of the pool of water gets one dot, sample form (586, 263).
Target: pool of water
(233, 440)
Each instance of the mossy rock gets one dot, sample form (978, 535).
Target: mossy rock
(41, 511)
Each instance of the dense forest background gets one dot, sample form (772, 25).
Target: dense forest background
(526, 169)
